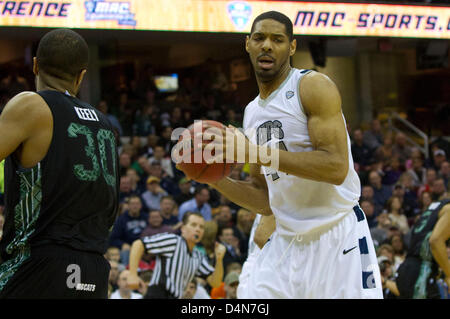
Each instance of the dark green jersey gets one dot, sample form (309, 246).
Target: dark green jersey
(69, 198)
(420, 234)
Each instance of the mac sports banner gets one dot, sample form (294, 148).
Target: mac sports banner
(309, 18)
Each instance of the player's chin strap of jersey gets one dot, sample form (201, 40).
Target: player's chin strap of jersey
(297, 237)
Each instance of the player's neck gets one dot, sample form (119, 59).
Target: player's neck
(46, 82)
(267, 87)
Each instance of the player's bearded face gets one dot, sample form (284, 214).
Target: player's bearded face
(269, 48)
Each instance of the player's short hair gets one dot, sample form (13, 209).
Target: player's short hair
(62, 53)
(186, 216)
(277, 16)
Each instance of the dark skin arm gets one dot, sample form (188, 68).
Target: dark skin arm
(26, 128)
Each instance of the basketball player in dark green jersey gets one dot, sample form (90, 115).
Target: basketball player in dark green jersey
(416, 276)
(61, 181)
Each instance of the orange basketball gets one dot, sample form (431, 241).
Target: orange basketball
(193, 164)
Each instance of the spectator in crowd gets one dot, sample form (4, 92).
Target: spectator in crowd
(233, 254)
(159, 155)
(439, 157)
(385, 152)
(398, 245)
(369, 210)
(165, 140)
(201, 292)
(136, 186)
(387, 276)
(113, 254)
(438, 189)
(123, 292)
(166, 183)
(395, 212)
(231, 284)
(167, 207)
(373, 138)
(223, 216)
(125, 189)
(408, 193)
(197, 204)
(387, 251)
(149, 148)
(367, 193)
(152, 197)
(128, 227)
(361, 153)
(430, 177)
(143, 121)
(400, 148)
(103, 107)
(425, 201)
(185, 191)
(220, 292)
(381, 192)
(243, 227)
(113, 274)
(392, 171)
(381, 231)
(124, 162)
(155, 225)
(417, 171)
(444, 172)
(190, 290)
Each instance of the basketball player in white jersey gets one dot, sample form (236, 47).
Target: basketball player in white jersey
(321, 247)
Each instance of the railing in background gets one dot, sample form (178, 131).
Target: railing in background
(396, 117)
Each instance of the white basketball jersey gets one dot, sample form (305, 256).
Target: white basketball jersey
(300, 205)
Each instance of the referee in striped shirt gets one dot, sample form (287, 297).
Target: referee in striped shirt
(176, 260)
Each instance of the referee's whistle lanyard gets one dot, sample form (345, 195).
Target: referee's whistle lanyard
(297, 237)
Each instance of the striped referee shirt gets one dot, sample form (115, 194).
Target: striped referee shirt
(175, 266)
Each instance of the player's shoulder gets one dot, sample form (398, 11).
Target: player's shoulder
(27, 102)
(316, 79)
(319, 93)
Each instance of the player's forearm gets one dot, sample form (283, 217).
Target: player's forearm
(392, 286)
(136, 253)
(318, 165)
(244, 194)
(215, 279)
(439, 251)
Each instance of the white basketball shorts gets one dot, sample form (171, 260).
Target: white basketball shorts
(337, 263)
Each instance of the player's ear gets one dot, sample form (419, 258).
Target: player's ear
(293, 47)
(35, 66)
(247, 38)
(80, 77)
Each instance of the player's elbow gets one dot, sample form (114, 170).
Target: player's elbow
(434, 241)
(340, 171)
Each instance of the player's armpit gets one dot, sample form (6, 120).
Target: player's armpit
(21, 120)
(264, 230)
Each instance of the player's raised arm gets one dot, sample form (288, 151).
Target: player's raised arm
(24, 119)
(251, 195)
(328, 162)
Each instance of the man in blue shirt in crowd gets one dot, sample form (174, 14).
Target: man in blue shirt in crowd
(197, 204)
(128, 227)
